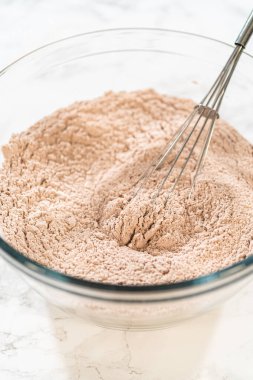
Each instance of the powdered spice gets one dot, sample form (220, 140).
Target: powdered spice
(67, 194)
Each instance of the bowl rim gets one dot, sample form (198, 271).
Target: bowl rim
(19, 260)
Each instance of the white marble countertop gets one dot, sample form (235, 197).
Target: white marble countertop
(38, 341)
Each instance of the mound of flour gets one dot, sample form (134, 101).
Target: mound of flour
(67, 186)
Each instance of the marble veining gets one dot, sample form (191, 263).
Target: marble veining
(38, 341)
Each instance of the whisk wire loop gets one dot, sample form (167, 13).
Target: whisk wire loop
(202, 118)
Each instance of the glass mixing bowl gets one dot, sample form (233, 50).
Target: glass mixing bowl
(83, 67)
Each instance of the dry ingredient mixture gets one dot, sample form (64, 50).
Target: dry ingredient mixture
(67, 186)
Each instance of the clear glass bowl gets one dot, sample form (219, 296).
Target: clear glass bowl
(83, 67)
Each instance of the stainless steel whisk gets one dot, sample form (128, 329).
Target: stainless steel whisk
(202, 118)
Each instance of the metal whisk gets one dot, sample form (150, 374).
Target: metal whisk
(201, 119)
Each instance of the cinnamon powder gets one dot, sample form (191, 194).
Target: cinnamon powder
(67, 194)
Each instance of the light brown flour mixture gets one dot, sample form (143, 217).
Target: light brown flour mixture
(67, 185)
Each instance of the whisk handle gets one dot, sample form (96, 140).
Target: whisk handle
(246, 32)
